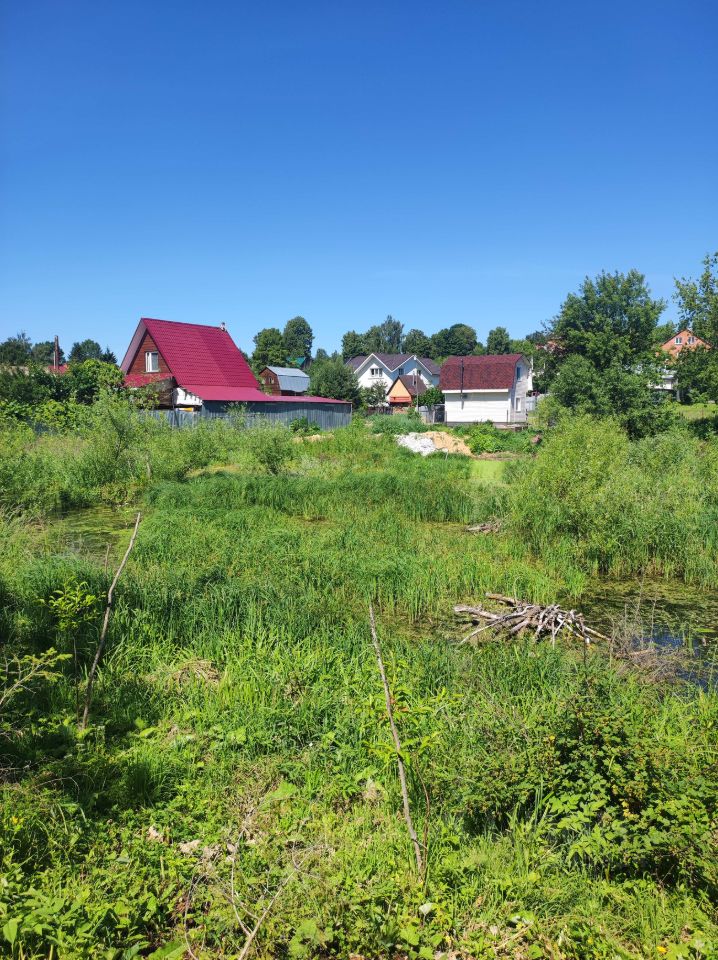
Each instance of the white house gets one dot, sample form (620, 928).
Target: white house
(386, 368)
(492, 387)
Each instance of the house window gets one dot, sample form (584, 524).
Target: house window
(691, 339)
(375, 371)
(400, 371)
(518, 372)
(152, 362)
(679, 340)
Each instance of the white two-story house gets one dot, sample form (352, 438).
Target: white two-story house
(492, 387)
(386, 368)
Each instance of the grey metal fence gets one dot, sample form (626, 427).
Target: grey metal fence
(327, 416)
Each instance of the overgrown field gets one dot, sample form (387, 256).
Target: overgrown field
(238, 773)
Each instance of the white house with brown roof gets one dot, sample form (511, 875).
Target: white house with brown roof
(386, 368)
(492, 387)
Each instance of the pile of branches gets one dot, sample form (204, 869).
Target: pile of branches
(551, 621)
(491, 526)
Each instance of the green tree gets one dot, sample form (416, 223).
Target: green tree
(611, 320)
(373, 396)
(698, 301)
(16, 351)
(697, 374)
(458, 340)
(268, 349)
(335, 380)
(91, 377)
(85, 350)
(498, 341)
(417, 342)
(429, 398)
(353, 345)
(43, 353)
(605, 362)
(108, 356)
(386, 337)
(298, 338)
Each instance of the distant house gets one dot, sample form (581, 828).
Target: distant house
(386, 368)
(404, 391)
(673, 347)
(200, 368)
(284, 381)
(685, 340)
(492, 387)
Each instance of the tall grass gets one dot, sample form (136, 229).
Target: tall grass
(239, 735)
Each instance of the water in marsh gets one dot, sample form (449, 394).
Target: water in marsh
(90, 530)
(673, 616)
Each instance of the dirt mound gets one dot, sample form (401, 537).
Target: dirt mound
(447, 441)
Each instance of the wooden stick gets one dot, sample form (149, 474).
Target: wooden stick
(397, 744)
(105, 624)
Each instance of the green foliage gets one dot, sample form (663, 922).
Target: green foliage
(697, 375)
(86, 350)
(457, 340)
(373, 396)
(304, 426)
(498, 341)
(417, 342)
(298, 338)
(698, 301)
(430, 397)
(486, 438)
(269, 349)
(621, 507)
(16, 351)
(335, 380)
(398, 423)
(269, 445)
(240, 747)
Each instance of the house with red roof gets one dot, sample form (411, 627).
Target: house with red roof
(492, 387)
(200, 368)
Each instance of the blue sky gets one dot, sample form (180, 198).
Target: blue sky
(442, 162)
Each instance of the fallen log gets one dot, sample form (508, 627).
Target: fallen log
(542, 620)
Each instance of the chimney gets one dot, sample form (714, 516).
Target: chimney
(223, 327)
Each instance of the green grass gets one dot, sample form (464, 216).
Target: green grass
(697, 411)
(239, 744)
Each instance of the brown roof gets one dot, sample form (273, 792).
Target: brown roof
(414, 385)
(491, 372)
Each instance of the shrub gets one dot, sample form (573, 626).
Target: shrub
(486, 438)
(269, 445)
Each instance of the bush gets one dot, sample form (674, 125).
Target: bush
(269, 445)
(486, 438)
(397, 424)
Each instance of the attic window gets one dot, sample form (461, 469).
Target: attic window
(401, 371)
(375, 371)
(691, 339)
(679, 340)
(518, 372)
(152, 362)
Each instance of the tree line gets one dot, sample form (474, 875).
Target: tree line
(600, 354)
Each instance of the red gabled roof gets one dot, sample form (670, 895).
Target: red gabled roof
(491, 372)
(202, 359)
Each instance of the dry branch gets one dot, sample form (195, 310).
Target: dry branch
(491, 526)
(542, 620)
(397, 745)
(105, 624)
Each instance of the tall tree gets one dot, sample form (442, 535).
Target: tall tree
(610, 321)
(353, 345)
(16, 351)
(417, 342)
(85, 350)
(698, 301)
(268, 349)
(298, 338)
(605, 361)
(44, 353)
(498, 341)
(335, 380)
(386, 337)
(108, 356)
(458, 340)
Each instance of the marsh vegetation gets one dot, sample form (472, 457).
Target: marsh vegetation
(238, 764)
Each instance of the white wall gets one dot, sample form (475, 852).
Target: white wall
(477, 406)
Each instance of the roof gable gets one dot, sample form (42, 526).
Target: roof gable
(490, 372)
(197, 356)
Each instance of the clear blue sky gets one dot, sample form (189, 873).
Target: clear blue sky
(443, 162)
